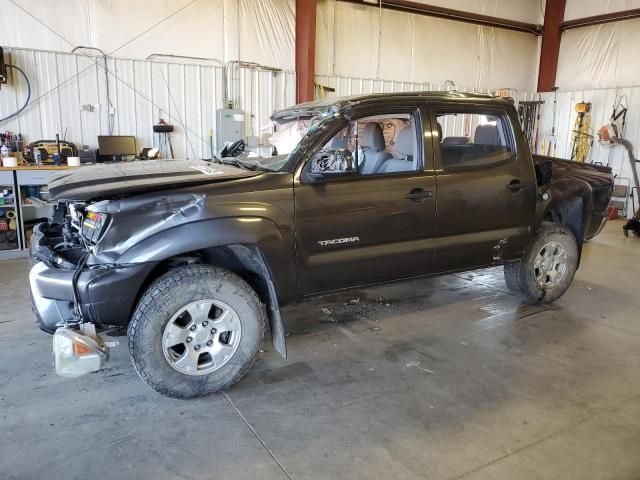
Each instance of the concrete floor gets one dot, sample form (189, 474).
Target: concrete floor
(442, 378)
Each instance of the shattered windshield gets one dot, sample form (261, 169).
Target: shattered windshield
(272, 157)
(287, 134)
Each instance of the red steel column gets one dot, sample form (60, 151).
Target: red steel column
(305, 49)
(553, 17)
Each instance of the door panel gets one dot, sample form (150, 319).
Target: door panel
(485, 213)
(479, 218)
(362, 230)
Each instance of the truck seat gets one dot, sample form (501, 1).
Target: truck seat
(487, 135)
(372, 146)
(405, 147)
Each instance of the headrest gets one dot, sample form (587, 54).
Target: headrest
(405, 143)
(455, 140)
(373, 137)
(487, 135)
(339, 141)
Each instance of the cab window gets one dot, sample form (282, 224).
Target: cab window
(371, 146)
(472, 140)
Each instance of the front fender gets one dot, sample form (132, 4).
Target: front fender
(261, 232)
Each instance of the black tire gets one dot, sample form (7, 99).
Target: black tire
(164, 298)
(520, 276)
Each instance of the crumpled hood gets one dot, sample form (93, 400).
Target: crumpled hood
(136, 177)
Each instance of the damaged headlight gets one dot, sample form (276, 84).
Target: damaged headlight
(75, 353)
(94, 225)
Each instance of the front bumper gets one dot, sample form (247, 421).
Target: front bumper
(107, 293)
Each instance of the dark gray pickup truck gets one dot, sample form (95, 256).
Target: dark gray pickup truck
(194, 258)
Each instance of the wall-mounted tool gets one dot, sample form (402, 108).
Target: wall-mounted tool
(582, 134)
(529, 114)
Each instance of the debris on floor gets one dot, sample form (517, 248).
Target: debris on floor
(417, 365)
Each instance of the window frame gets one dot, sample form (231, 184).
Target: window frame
(451, 109)
(418, 116)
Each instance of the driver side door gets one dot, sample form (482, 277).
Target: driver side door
(363, 228)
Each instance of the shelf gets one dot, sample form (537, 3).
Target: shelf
(13, 254)
(48, 204)
(17, 182)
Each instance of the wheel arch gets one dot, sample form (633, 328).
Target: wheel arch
(570, 205)
(255, 250)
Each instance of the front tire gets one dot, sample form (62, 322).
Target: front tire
(196, 331)
(547, 269)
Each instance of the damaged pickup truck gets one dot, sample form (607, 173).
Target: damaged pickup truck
(195, 258)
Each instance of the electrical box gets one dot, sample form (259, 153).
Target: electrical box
(229, 126)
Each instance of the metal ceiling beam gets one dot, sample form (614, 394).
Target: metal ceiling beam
(305, 49)
(451, 14)
(599, 19)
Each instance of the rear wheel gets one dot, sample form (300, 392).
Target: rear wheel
(548, 267)
(196, 331)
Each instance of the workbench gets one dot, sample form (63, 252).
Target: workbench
(21, 180)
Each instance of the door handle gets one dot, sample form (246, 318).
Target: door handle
(515, 186)
(418, 195)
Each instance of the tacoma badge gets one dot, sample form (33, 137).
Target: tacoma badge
(336, 241)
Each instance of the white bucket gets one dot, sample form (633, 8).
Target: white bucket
(9, 162)
(73, 161)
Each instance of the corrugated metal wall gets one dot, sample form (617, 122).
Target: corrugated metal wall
(186, 95)
(355, 86)
(602, 102)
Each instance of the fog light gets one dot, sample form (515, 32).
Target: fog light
(75, 354)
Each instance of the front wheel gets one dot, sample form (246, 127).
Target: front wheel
(547, 269)
(195, 331)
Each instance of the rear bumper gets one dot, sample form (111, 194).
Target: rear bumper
(107, 293)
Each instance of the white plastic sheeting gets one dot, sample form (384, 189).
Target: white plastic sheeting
(601, 56)
(363, 41)
(184, 94)
(588, 8)
(259, 31)
(530, 11)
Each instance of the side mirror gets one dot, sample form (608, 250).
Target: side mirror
(329, 162)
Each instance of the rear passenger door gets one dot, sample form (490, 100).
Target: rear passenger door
(486, 186)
